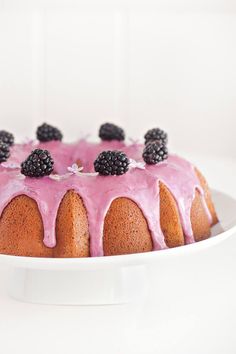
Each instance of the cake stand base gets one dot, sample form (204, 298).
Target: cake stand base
(72, 287)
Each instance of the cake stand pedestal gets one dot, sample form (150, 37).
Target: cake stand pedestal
(78, 287)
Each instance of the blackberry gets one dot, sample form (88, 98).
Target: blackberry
(4, 151)
(109, 131)
(155, 152)
(47, 132)
(6, 137)
(38, 164)
(156, 134)
(111, 163)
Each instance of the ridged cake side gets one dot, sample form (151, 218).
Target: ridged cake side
(72, 231)
(21, 229)
(125, 229)
(172, 231)
(207, 195)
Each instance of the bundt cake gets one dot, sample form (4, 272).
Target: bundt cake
(98, 199)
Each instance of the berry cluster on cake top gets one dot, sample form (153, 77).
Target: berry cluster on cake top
(40, 163)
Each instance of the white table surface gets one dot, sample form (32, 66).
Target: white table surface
(127, 329)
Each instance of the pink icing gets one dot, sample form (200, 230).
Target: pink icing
(98, 192)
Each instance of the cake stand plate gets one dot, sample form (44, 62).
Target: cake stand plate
(106, 280)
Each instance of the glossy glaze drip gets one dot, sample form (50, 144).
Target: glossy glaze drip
(98, 192)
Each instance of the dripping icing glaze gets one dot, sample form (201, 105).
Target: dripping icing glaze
(140, 185)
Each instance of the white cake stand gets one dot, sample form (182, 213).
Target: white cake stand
(106, 280)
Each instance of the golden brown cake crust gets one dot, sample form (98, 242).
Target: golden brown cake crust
(207, 195)
(121, 221)
(72, 228)
(170, 219)
(125, 229)
(199, 219)
(21, 229)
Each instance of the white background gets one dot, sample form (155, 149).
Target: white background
(140, 64)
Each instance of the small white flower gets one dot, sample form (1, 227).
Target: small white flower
(27, 140)
(137, 164)
(75, 168)
(11, 165)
